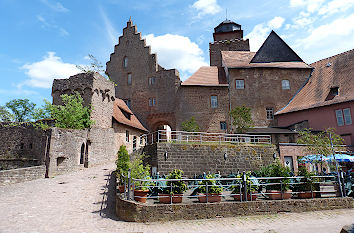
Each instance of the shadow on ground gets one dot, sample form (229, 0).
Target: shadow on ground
(108, 203)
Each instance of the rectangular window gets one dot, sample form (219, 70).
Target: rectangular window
(152, 102)
(129, 79)
(270, 113)
(128, 103)
(285, 84)
(214, 101)
(223, 125)
(240, 84)
(151, 81)
(127, 136)
(339, 116)
(134, 143)
(347, 116)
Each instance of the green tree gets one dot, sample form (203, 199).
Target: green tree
(72, 114)
(5, 115)
(21, 109)
(242, 118)
(123, 163)
(190, 125)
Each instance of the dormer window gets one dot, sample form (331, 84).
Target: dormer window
(126, 114)
(333, 92)
(125, 62)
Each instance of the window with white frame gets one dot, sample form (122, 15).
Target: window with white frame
(125, 62)
(240, 84)
(339, 116)
(270, 113)
(152, 102)
(285, 84)
(127, 136)
(223, 125)
(129, 79)
(214, 101)
(347, 116)
(151, 81)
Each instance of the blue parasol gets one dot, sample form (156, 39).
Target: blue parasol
(341, 158)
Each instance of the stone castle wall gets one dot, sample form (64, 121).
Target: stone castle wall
(196, 159)
(21, 175)
(226, 45)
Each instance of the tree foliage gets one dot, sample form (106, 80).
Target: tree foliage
(242, 118)
(5, 115)
(320, 143)
(21, 109)
(72, 114)
(123, 163)
(190, 125)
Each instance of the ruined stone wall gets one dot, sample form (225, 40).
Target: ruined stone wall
(142, 65)
(101, 146)
(263, 88)
(22, 142)
(21, 175)
(226, 45)
(196, 159)
(194, 101)
(95, 90)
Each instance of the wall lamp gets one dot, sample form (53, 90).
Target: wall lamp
(165, 155)
(225, 156)
(274, 156)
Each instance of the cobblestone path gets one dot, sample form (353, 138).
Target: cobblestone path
(83, 201)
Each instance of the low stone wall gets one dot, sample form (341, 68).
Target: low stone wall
(196, 159)
(21, 174)
(135, 212)
(7, 164)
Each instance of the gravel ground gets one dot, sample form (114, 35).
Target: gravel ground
(83, 201)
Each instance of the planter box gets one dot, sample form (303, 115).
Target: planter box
(140, 195)
(277, 195)
(237, 197)
(166, 198)
(306, 195)
(212, 197)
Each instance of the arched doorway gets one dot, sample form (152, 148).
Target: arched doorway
(82, 154)
(163, 132)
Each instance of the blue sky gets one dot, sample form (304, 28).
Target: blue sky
(44, 39)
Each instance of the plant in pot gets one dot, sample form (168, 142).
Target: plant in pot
(280, 189)
(140, 175)
(306, 185)
(209, 191)
(173, 192)
(238, 189)
(123, 165)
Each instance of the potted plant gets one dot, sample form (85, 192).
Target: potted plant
(238, 190)
(173, 192)
(141, 174)
(306, 185)
(123, 165)
(280, 189)
(209, 191)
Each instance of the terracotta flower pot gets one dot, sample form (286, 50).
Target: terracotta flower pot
(140, 195)
(277, 195)
(237, 197)
(305, 195)
(212, 197)
(166, 198)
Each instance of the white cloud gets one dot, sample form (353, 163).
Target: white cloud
(206, 7)
(175, 51)
(276, 22)
(261, 31)
(45, 24)
(42, 73)
(56, 6)
(310, 5)
(335, 6)
(329, 34)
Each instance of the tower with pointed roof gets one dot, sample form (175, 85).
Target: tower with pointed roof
(228, 36)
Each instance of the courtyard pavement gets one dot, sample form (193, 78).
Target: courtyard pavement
(83, 201)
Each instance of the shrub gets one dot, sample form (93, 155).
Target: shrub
(251, 188)
(140, 171)
(178, 187)
(276, 170)
(307, 182)
(212, 187)
(123, 163)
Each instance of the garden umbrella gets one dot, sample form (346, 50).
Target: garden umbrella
(341, 158)
(312, 158)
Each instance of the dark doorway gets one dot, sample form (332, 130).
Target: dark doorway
(82, 154)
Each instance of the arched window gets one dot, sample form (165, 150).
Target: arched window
(285, 84)
(125, 62)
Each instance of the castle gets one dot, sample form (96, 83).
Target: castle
(265, 81)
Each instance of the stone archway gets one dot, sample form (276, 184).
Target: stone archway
(163, 131)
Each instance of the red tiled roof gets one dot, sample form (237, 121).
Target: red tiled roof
(242, 59)
(120, 106)
(207, 76)
(335, 71)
